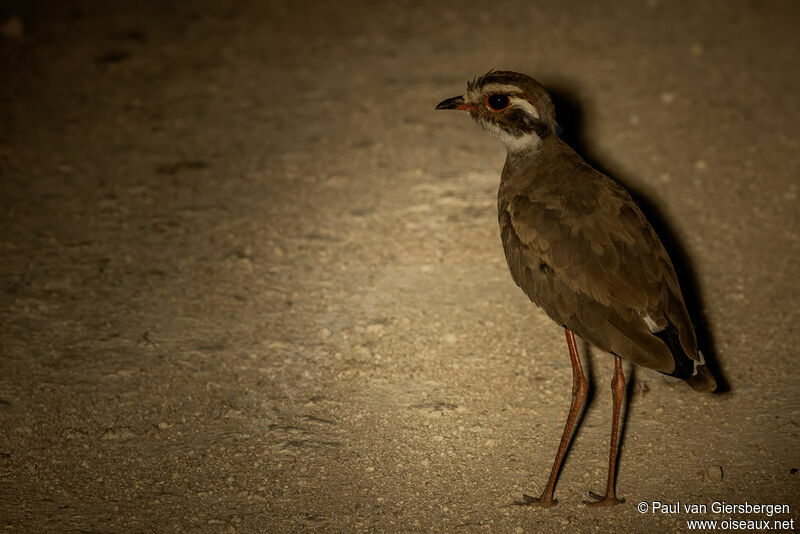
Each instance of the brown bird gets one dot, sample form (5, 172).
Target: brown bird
(580, 248)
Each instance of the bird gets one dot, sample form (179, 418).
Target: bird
(581, 249)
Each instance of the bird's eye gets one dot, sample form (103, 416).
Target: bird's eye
(497, 102)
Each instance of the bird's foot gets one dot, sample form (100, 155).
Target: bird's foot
(603, 500)
(545, 501)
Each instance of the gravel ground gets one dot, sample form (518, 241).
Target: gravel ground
(252, 282)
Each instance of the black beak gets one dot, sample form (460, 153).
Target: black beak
(451, 103)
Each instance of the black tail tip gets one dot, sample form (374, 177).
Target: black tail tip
(703, 380)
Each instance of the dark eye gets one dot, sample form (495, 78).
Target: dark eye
(497, 102)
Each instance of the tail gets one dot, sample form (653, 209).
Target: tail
(702, 379)
(695, 372)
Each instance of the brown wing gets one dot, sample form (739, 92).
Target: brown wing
(583, 251)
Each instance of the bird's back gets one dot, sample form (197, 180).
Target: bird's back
(580, 248)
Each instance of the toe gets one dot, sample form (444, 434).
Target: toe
(603, 500)
(541, 502)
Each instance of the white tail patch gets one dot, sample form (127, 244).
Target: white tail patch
(651, 324)
(696, 363)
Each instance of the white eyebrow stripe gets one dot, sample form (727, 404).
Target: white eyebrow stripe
(524, 104)
(501, 88)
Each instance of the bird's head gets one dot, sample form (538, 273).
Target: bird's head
(511, 106)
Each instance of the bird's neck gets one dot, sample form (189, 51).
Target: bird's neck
(522, 169)
(519, 161)
(523, 145)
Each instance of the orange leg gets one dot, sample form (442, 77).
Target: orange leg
(579, 389)
(617, 390)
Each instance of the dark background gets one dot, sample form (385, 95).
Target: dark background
(252, 282)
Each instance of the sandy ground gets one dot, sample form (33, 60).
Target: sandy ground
(252, 282)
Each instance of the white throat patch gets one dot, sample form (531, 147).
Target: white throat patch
(514, 144)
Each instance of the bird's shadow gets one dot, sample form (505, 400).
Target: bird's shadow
(571, 117)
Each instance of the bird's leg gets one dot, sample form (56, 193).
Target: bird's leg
(617, 390)
(579, 388)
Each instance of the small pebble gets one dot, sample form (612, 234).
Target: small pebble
(376, 329)
(120, 433)
(667, 97)
(450, 339)
(324, 333)
(714, 473)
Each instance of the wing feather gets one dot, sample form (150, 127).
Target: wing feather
(584, 252)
